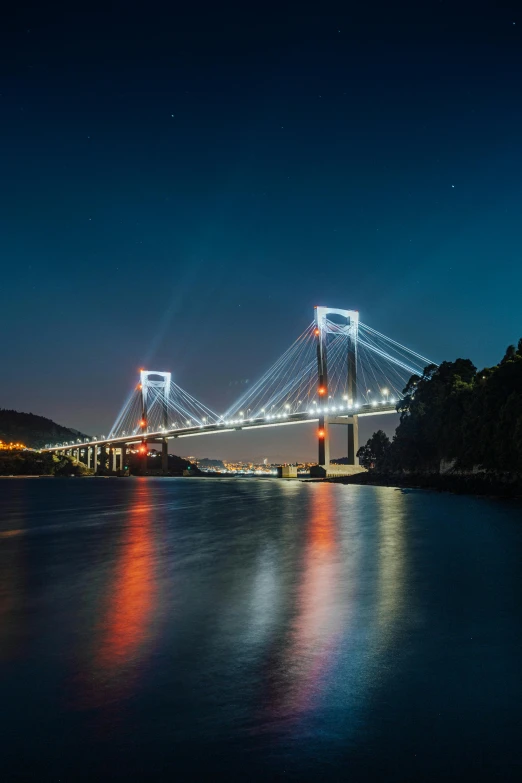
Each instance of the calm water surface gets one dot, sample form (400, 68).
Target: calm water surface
(185, 629)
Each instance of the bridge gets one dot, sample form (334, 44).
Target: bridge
(336, 371)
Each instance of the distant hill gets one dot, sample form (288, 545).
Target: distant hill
(205, 462)
(33, 431)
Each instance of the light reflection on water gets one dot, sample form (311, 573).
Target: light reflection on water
(123, 638)
(12, 585)
(283, 624)
(316, 625)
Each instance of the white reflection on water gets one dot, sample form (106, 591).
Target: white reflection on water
(392, 560)
(345, 605)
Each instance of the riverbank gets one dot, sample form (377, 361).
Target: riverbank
(473, 484)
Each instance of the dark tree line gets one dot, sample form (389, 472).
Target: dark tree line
(455, 413)
(33, 463)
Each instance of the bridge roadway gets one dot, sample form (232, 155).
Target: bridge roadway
(336, 416)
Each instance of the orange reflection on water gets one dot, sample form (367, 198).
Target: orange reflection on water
(12, 582)
(126, 628)
(318, 620)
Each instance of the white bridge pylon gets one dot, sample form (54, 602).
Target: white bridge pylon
(337, 370)
(341, 325)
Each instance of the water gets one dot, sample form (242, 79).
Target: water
(199, 629)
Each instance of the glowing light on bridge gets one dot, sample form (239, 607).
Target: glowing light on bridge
(366, 374)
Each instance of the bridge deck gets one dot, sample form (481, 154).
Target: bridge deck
(248, 424)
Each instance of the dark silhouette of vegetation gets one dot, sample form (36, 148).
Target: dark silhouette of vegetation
(33, 431)
(32, 463)
(176, 465)
(452, 413)
(374, 453)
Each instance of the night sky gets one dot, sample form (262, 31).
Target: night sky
(179, 190)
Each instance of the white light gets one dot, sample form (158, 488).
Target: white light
(334, 408)
(356, 406)
(374, 403)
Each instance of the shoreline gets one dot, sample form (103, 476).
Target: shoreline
(458, 484)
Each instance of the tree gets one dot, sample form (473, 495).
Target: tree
(453, 412)
(374, 453)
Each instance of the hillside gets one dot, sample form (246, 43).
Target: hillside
(33, 431)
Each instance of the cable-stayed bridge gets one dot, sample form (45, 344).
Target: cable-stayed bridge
(337, 370)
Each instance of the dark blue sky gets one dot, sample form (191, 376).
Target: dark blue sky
(178, 191)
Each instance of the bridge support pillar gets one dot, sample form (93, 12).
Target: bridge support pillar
(114, 467)
(165, 456)
(323, 437)
(353, 441)
(94, 451)
(123, 457)
(143, 451)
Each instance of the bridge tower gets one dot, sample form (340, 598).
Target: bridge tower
(152, 379)
(347, 323)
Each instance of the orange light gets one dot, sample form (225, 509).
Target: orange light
(142, 423)
(140, 386)
(321, 390)
(320, 433)
(142, 449)
(316, 331)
